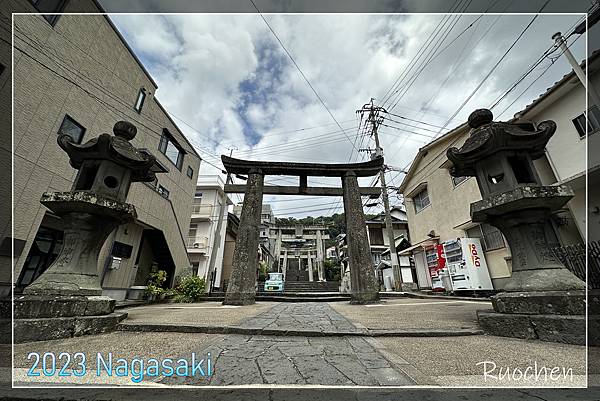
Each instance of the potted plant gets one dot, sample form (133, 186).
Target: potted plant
(154, 288)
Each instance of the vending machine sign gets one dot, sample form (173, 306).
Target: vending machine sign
(474, 254)
(475, 266)
(441, 258)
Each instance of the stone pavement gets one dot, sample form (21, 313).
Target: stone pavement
(301, 316)
(432, 318)
(292, 360)
(240, 360)
(412, 313)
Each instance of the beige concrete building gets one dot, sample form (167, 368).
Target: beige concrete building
(76, 74)
(437, 207)
(5, 149)
(438, 204)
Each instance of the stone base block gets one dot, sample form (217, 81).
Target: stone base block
(31, 306)
(540, 302)
(239, 298)
(556, 279)
(41, 329)
(568, 329)
(362, 298)
(407, 287)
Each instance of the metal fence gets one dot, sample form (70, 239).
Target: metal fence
(573, 257)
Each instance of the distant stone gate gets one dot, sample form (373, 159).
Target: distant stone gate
(241, 287)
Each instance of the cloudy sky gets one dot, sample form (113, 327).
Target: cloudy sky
(230, 86)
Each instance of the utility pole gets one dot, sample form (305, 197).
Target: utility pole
(375, 120)
(562, 43)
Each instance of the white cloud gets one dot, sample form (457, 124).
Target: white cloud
(201, 61)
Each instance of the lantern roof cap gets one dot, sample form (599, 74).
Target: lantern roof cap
(115, 148)
(488, 137)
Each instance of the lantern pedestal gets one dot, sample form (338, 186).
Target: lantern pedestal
(542, 299)
(67, 299)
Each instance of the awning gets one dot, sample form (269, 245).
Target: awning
(429, 241)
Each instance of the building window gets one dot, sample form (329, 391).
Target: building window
(196, 268)
(43, 252)
(72, 128)
(421, 200)
(121, 250)
(169, 148)
(491, 238)
(164, 192)
(190, 172)
(50, 6)
(2, 68)
(139, 103)
(458, 180)
(376, 236)
(376, 258)
(593, 121)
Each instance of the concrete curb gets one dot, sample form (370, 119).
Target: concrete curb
(393, 294)
(295, 332)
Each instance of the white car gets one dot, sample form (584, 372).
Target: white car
(274, 282)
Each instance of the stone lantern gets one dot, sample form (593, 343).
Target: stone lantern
(541, 295)
(95, 206)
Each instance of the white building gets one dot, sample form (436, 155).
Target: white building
(206, 237)
(564, 103)
(331, 253)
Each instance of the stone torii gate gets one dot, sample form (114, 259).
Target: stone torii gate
(241, 290)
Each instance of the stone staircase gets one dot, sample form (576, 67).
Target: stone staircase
(311, 286)
(296, 291)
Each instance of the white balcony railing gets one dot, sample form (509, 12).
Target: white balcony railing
(197, 242)
(202, 210)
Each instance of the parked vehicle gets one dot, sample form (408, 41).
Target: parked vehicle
(274, 282)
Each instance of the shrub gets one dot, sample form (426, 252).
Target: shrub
(155, 283)
(190, 289)
(262, 271)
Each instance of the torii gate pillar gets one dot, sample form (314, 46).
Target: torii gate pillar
(364, 287)
(240, 290)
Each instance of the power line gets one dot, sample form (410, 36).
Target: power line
(532, 67)
(302, 74)
(485, 78)
(413, 120)
(411, 126)
(434, 53)
(102, 101)
(399, 93)
(388, 93)
(534, 81)
(411, 132)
